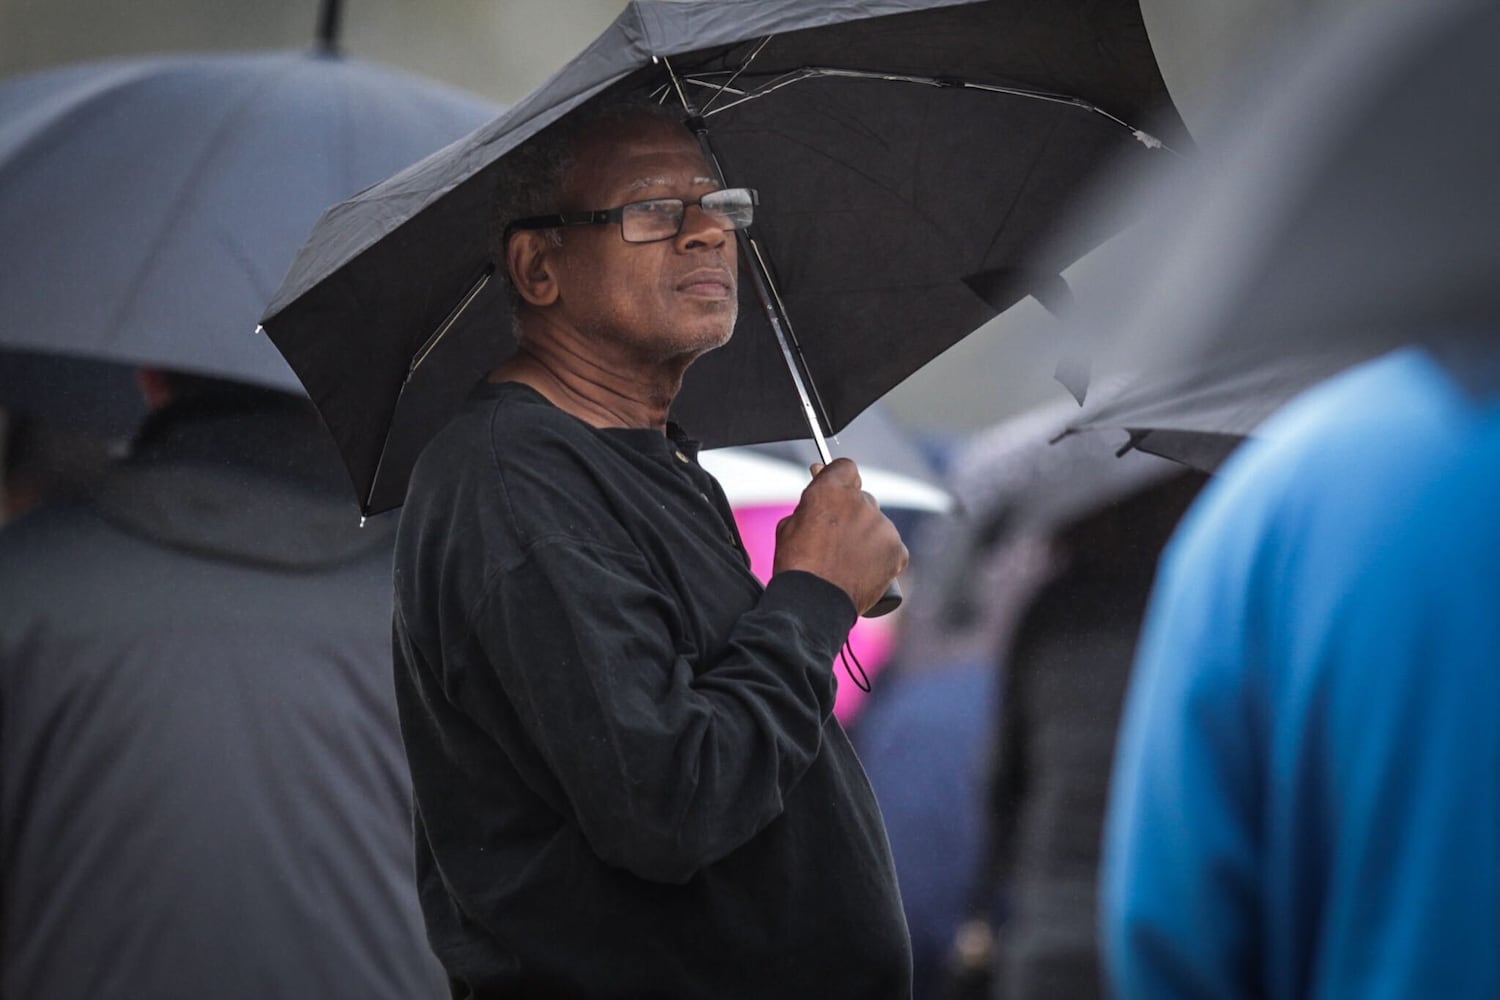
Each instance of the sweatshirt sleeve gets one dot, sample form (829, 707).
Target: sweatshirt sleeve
(666, 768)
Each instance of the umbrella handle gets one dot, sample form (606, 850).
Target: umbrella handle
(889, 601)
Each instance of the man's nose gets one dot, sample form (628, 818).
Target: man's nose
(699, 229)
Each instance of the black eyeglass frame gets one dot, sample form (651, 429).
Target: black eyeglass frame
(617, 214)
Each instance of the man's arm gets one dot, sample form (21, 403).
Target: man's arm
(663, 769)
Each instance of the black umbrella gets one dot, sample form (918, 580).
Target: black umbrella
(1350, 206)
(149, 207)
(909, 155)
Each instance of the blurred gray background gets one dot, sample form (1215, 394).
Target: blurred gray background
(502, 49)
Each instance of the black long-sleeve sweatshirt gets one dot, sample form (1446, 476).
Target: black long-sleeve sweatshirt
(629, 781)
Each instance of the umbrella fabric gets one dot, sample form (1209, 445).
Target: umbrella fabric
(1199, 418)
(1348, 206)
(898, 216)
(149, 207)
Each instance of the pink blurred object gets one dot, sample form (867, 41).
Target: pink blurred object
(872, 638)
(762, 490)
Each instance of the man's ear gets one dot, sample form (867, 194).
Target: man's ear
(529, 256)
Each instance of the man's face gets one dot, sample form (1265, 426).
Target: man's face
(660, 301)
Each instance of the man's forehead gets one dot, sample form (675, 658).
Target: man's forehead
(661, 181)
(639, 136)
(637, 155)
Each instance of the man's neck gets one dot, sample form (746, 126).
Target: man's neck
(577, 378)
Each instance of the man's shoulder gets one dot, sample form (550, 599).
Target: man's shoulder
(515, 461)
(497, 432)
(512, 416)
(1344, 475)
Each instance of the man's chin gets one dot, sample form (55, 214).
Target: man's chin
(709, 337)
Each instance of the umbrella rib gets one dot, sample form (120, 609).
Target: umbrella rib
(826, 72)
(416, 362)
(224, 133)
(736, 74)
(447, 324)
(766, 291)
(898, 196)
(1020, 189)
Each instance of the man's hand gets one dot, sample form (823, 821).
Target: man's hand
(838, 533)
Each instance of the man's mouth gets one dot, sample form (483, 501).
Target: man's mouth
(710, 283)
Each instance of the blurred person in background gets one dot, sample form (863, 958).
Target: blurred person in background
(1061, 693)
(1308, 801)
(1010, 677)
(202, 789)
(42, 462)
(1307, 793)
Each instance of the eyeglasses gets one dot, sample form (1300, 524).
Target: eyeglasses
(657, 219)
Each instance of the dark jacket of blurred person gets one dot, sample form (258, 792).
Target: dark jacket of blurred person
(1062, 689)
(40, 462)
(202, 789)
(1039, 584)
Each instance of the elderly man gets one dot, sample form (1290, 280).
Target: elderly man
(629, 781)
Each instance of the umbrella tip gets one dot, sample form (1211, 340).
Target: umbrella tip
(1073, 372)
(1134, 441)
(328, 27)
(1147, 139)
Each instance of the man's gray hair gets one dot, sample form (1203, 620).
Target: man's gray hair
(530, 178)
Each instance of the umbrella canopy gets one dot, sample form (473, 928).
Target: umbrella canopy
(1199, 418)
(149, 207)
(1348, 207)
(910, 155)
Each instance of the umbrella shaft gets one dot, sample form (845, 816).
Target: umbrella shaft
(770, 303)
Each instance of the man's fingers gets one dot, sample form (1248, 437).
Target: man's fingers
(842, 469)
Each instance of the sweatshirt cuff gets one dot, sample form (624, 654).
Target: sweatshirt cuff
(823, 608)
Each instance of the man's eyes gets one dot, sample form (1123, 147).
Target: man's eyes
(665, 206)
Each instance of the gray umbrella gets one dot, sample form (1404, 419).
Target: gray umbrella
(910, 155)
(1350, 206)
(149, 207)
(1198, 418)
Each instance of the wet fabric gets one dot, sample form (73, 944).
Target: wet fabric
(202, 790)
(628, 778)
(1306, 801)
(163, 250)
(889, 124)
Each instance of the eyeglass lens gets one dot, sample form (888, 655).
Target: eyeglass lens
(661, 218)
